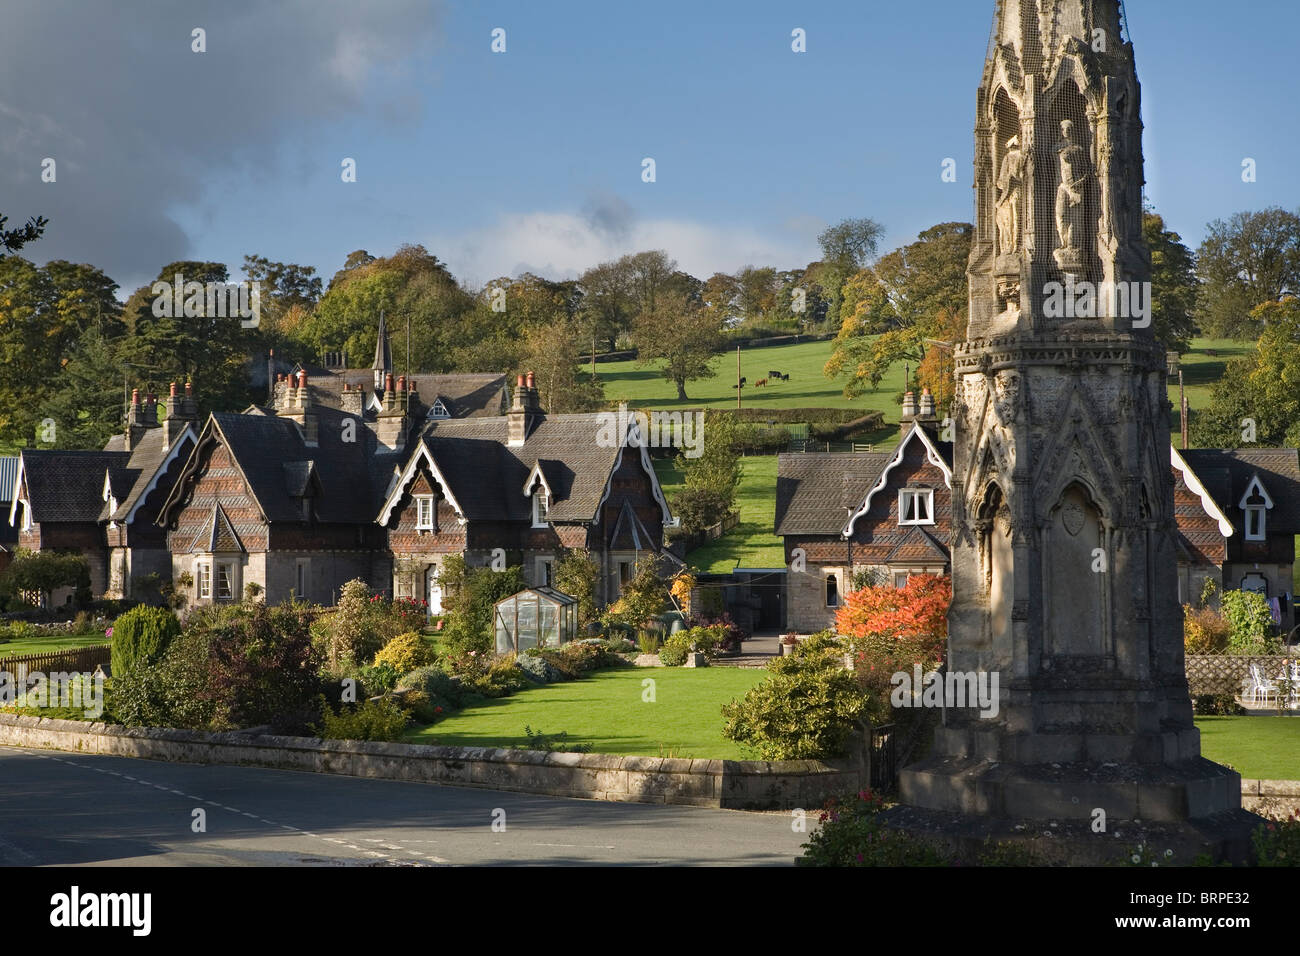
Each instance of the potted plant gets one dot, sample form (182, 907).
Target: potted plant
(788, 643)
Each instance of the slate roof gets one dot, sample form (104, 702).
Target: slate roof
(129, 481)
(68, 486)
(816, 492)
(216, 535)
(465, 394)
(486, 477)
(1225, 473)
(278, 465)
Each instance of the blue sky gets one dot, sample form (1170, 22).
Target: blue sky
(531, 159)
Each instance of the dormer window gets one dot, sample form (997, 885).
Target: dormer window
(916, 506)
(541, 508)
(439, 410)
(1255, 505)
(425, 513)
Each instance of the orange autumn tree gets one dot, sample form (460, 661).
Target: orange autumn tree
(893, 626)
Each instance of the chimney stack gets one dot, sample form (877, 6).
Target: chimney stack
(140, 417)
(298, 408)
(182, 411)
(523, 413)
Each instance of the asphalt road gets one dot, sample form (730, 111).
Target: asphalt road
(64, 809)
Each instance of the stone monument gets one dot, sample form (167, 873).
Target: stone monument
(1064, 552)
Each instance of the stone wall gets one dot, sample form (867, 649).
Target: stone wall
(727, 784)
(1278, 799)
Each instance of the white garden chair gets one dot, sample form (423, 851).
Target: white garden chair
(1261, 688)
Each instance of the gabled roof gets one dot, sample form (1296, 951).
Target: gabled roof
(347, 472)
(937, 453)
(816, 491)
(629, 534)
(919, 545)
(484, 479)
(148, 461)
(1226, 474)
(66, 486)
(217, 534)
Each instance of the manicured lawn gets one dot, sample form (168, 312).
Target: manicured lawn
(751, 544)
(1260, 748)
(51, 642)
(606, 711)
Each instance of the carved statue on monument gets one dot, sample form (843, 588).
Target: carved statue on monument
(1071, 207)
(1010, 179)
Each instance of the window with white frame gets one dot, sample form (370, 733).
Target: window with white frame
(203, 580)
(225, 582)
(832, 591)
(1256, 512)
(302, 579)
(916, 506)
(425, 513)
(545, 572)
(541, 507)
(900, 579)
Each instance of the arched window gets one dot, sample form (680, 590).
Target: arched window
(832, 591)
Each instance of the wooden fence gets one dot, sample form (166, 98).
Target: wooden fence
(1224, 673)
(76, 659)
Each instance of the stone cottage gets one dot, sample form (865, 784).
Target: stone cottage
(884, 516)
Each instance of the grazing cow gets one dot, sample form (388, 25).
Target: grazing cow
(772, 374)
(741, 385)
(785, 378)
(760, 383)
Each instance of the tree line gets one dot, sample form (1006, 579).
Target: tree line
(70, 349)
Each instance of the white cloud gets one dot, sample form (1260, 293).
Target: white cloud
(560, 245)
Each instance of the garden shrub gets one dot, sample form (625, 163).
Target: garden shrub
(1205, 631)
(1250, 622)
(733, 635)
(852, 834)
(141, 637)
(375, 679)
(674, 651)
(807, 709)
(439, 688)
(264, 668)
(423, 710)
(1277, 843)
(489, 676)
(174, 693)
(468, 599)
(539, 670)
(1217, 705)
(405, 653)
(382, 719)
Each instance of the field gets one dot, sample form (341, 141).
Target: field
(752, 544)
(606, 711)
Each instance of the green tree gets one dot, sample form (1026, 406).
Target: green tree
(14, 239)
(894, 309)
(1260, 393)
(682, 334)
(1174, 285)
(43, 572)
(552, 357)
(847, 247)
(576, 575)
(1251, 259)
(710, 480)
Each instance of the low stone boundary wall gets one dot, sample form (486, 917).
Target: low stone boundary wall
(727, 784)
(1271, 798)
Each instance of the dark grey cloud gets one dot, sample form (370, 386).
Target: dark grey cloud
(139, 124)
(610, 216)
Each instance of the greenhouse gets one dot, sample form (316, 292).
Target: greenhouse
(536, 617)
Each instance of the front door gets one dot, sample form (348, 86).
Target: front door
(435, 592)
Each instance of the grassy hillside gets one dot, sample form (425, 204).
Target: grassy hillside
(751, 544)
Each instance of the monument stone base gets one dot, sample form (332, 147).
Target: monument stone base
(1223, 837)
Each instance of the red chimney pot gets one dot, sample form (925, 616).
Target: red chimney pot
(520, 383)
(401, 383)
(302, 379)
(173, 392)
(530, 380)
(388, 382)
(135, 396)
